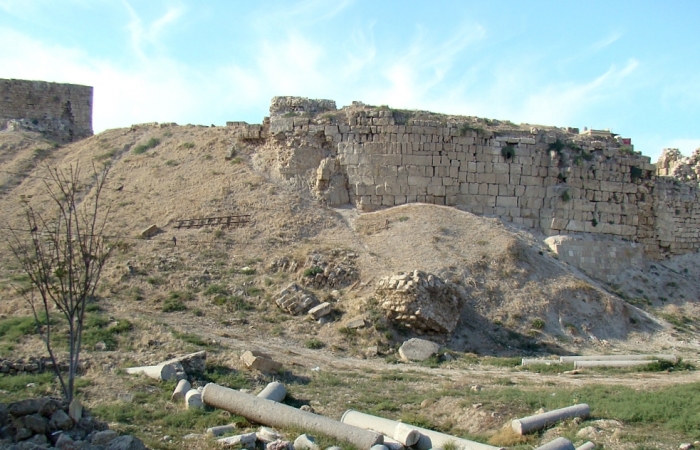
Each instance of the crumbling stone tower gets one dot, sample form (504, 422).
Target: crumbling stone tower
(60, 111)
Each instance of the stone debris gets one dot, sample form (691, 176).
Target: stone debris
(295, 300)
(333, 271)
(421, 301)
(267, 434)
(416, 349)
(279, 444)
(176, 368)
(244, 440)
(320, 310)
(150, 231)
(221, 429)
(305, 442)
(356, 322)
(259, 361)
(46, 422)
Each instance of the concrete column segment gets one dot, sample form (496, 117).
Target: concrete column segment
(670, 358)
(183, 386)
(611, 363)
(268, 412)
(163, 372)
(274, 391)
(587, 446)
(428, 438)
(193, 399)
(405, 435)
(558, 444)
(539, 421)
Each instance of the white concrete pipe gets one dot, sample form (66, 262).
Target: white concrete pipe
(531, 361)
(163, 372)
(587, 446)
(558, 444)
(428, 438)
(275, 414)
(670, 358)
(183, 386)
(539, 421)
(612, 363)
(274, 391)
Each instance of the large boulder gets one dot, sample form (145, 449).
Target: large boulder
(418, 349)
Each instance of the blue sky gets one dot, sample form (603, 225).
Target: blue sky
(631, 66)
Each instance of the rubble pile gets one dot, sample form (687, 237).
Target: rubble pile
(336, 272)
(421, 301)
(49, 422)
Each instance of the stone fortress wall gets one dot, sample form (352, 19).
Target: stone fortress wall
(556, 180)
(60, 111)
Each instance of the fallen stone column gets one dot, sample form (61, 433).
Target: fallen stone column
(163, 372)
(587, 446)
(530, 361)
(193, 399)
(612, 363)
(183, 386)
(405, 435)
(558, 444)
(670, 358)
(428, 439)
(268, 412)
(274, 391)
(539, 421)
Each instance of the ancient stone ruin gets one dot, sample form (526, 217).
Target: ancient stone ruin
(555, 180)
(62, 112)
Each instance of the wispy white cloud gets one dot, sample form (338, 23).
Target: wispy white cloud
(302, 13)
(606, 41)
(143, 34)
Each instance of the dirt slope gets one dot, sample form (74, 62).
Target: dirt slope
(519, 298)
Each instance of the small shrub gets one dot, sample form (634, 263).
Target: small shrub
(557, 146)
(538, 324)
(173, 305)
(403, 218)
(187, 145)
(508, 151)
(565, 197)
(171, 163)
(143, 148)
(312, 271)
(594, 222)
(314, 344)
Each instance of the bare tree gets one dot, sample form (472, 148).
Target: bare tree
(63, 251)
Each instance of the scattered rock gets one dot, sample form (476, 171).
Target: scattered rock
(686, 446)
(356, 322)
(244, 440)
(305, 441)
(104, 437)
(476, 388)
(126, 443)
(416, 349)
(60, 419)
(266, 434)
(279, 445)
(100, 346)
(75, 410)
(320, 310)
(260, 361)
(308, 408)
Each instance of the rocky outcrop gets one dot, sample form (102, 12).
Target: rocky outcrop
(421, 301)
(48, 423)
(334, 271)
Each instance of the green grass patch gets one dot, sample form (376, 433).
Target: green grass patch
(233, 303)
(314, 344)
(98, 328)
(143, 148)
(312, 271)
(216, 289)
(13, 329)
(19, 387)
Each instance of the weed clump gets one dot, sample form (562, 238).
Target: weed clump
(143, 148)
